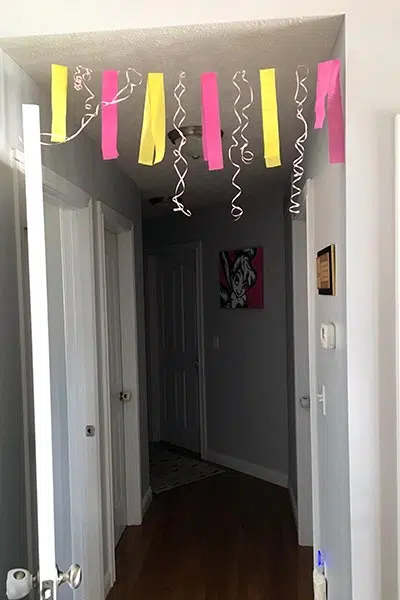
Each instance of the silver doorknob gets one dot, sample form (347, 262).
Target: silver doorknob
(73, 577)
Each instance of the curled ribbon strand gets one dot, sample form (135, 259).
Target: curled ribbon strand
(245, 154)
(81, 78)
(177, 123)
(298, 168)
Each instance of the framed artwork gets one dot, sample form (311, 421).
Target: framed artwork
(326, 271)
(241, 278)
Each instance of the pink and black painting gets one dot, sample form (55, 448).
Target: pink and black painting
(241, 278)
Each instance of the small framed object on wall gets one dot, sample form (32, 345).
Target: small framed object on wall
(326, 271)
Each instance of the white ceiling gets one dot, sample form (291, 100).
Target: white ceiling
(224, 48)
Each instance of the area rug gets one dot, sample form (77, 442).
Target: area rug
(170, 470)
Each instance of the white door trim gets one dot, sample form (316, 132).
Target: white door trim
(311, 292)
(301, 381)
(81, 364)
(197, 247)
(397, 321)
(107, 217)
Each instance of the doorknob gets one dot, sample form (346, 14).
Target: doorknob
(73, 577)
(20, 582)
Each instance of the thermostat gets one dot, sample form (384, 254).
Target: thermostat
(328, 336)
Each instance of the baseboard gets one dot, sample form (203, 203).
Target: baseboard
(236, 464)
(107, 584)
(146, 500)
(294, 505)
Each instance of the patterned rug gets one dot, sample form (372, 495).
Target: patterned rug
(169, 470)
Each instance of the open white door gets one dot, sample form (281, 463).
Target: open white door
(63, 372)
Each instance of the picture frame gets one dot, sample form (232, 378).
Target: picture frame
(326, 271)
(241, 278)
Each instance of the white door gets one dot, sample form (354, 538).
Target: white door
(301, 383)
(179, 360)
(116, 383)
(66, 449)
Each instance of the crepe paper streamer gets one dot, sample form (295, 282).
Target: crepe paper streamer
(246, 155)
(109, 115)
(178, 120)
(152, 143)
(211, 122)
(59, 87)
(236, 209)
(329, 89)
(269, 109)
(300, 97)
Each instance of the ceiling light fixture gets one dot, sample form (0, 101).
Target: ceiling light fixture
(194, 143)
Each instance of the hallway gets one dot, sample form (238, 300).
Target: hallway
(229, 537)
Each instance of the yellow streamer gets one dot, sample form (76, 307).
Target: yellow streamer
(152, 142)
(269, 107)
(59, 87)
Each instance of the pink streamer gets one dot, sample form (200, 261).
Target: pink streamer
(328, 87)
(211, 123)
(109, 115)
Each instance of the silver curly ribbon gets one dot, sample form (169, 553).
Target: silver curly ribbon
(298, 169)
(245, 154)
(179, 158)
(81, 78)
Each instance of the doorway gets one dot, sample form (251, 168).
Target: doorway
(119, 394)
(175, 355)
(116, 393)
(252, 406)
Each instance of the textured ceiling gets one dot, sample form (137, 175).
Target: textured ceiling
(224, 48)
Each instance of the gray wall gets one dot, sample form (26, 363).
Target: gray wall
(247, 375)
(329, 193)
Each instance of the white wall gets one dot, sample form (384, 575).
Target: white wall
(80, 162)
(372, 99)
(329, 200)
(246, 377)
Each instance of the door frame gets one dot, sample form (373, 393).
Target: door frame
(309, 195)
(81, 366)
(151, 253)
(397, 316)
(123, 228)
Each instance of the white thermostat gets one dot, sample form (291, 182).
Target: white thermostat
(328, 336)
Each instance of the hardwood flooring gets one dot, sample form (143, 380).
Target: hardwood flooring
(229, 537)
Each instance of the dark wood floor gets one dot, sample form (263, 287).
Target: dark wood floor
(229, 537)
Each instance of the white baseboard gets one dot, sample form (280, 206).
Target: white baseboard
(294, 505)
(107, 584)
(146, 500)
(236, 464)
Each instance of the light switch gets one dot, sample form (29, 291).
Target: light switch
(328, 336)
